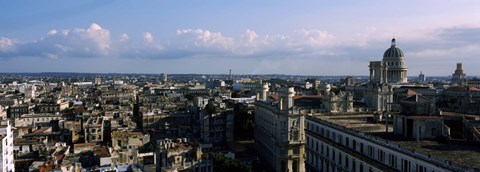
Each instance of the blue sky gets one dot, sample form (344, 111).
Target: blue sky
(250, 37)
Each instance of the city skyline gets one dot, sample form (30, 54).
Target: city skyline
(303, 38)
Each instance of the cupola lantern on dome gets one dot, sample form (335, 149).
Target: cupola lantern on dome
(393, 51)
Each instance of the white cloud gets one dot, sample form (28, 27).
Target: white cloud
(124, 37)
(317, 37)
(52, 32)
(100, 36)
(93, 41)
(6, 45)
(148, 37)
(205, 38)
(251, 36)
(151, 42)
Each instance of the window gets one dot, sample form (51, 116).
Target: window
(370, 151)
(346, 161)
(340, 158)
(405, 165)
(353, 165)
(393, 161)
(328, 151)
(361, 148)
(381, 155)
(333, 155)
(321, 149)
(296, 151)
(421, 168)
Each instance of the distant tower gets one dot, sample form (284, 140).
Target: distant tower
(421, 78)
(458, 77)
(98, 80)
(230, 75)
(164, 77)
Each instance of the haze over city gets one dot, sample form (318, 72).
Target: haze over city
(249, 37)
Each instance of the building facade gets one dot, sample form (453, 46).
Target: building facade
(279, 132)
(332, 147)
(378, 92)
(392, 68)
(6, 147)
(458, 77)
(422, 78)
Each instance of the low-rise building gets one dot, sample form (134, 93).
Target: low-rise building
(94, 130)
(125, 145)
(180, 155)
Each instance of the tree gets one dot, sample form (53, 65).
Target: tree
(211, 108)
(314, 91)
(223, 163)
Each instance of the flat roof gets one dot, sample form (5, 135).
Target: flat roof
(457, 152)
(358, 122)
(462, 154)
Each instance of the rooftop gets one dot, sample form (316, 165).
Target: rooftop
(462, 154)
(457, 152)
(358, 122)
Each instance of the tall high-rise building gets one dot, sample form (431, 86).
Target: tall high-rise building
(6, 147)
(458, 77)
(421, 77)
(164, 77)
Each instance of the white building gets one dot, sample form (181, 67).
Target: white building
(6, 148)
(98, 80)
(384, 76)
(279, 131)
(392, 68)
(348, 143)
